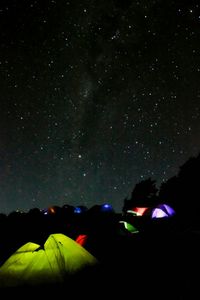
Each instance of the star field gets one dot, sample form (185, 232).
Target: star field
(95, 97)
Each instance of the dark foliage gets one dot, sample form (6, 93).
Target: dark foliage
(143, 194)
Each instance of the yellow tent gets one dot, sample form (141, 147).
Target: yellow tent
(31, 265)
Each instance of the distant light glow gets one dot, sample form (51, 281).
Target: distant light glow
(106, 207)
(77, 210)
(51, 210)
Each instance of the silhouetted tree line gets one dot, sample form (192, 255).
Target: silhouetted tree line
(181, 191)
(143, 194)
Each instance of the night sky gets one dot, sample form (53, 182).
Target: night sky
(95, 96)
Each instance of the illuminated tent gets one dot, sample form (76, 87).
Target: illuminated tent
(82, 239)
(129, 227)
(80, 209)
(31, 265)
(162, 211)
(138, 211)
(106, 207)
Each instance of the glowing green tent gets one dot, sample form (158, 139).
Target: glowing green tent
(129, 227)
(31, 265)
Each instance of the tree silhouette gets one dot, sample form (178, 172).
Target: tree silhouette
(182, 191)
(143, 194)
(168, 191)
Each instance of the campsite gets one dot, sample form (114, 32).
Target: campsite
(71, 249)
(150, 249)
(100, 149)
